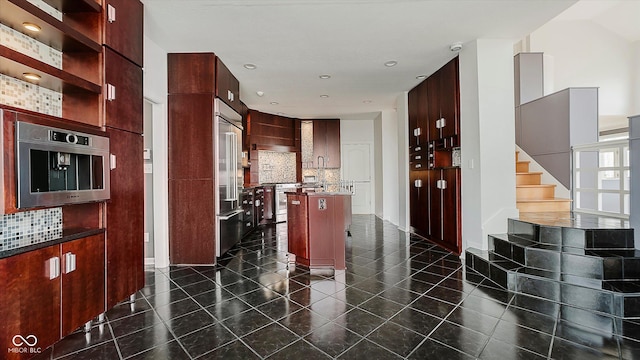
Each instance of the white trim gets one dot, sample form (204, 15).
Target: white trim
(149, 261)
(160, 184)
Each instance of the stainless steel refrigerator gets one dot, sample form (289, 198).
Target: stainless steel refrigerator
(229, 177)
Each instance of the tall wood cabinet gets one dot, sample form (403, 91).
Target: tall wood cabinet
(434, 129)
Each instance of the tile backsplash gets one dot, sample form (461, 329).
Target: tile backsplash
(30, 227)
(277, 167)
(306, 137)
(47, 8)
(24, 95)
(29, 46)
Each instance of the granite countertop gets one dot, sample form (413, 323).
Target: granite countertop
(67, 235)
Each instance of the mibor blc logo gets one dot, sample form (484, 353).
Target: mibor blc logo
(24, 345)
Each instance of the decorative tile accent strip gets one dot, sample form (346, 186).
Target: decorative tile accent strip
(277, 167)
(47, 8)
(29, 46)
(24, 95)
(30, 227)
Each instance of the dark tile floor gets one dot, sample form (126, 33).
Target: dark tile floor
(400, 297)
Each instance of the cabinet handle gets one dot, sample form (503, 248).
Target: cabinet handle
(69, 262)
(248, 224)
(441, 184)
(418, 166)
(111, 13)
(111, 92)
(112, 161)
(52, 268)
(417, 131)
(418, 157)
(417, 183)
(418, 148)
(295, 202)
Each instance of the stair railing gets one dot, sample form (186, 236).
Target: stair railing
(601, 178)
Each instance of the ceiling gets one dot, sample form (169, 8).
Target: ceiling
(622, 17)
(292, 42)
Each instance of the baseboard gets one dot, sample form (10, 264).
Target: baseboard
(149, 261)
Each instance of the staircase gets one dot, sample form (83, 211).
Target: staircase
(532, 196)
(586, 265)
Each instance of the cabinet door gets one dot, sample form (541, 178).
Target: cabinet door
(319, 143)
(333, 144)
(227, 86)
(123, 27)
(435, 205)
(297, 225)
(423, 114)
(125, 214)
(449, 98)
(123, 93)
(451, 209)
(30, 300)
(412, 110)
(419, 202)
(433, 105)
(82, 281)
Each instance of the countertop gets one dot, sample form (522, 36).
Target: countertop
(67, 235)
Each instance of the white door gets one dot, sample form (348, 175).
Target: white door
(356, 166)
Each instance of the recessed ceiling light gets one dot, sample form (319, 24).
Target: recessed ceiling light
(420, 77)
(391, 63)
(260, 93)
(274, 103)
(456, 46)
(324, 96)
(31, 76)
(31, 26)
(325, 76)
(367, 101)
(250, 66)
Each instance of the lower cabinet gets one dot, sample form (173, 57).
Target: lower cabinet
(125, 216)
(48, 293)
(269, 204)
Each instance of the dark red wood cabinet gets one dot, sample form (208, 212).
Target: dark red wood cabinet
(30, 299)
(326, 143)
(227, 86)
(123, 93)
(51, 292)
(82, 287)
(434, 128)
(123, 28)
(124, 218)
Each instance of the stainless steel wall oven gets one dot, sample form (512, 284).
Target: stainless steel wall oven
(57, 167)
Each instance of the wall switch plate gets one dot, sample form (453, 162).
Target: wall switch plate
(146, 237)
(322, 204)
(148, 168)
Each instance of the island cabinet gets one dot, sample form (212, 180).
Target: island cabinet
(317, 225)
(326, 143)
(50, 292)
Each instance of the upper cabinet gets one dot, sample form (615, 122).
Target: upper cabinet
(326, 143)
(123, 93)
(443, 97)
(191, 73)
(227, 86)
(123, 28)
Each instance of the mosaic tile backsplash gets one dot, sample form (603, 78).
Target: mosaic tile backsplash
(47, 8)
(30, 227)
(24, 95)
(29, 46)
(277, 167)
(306, 137)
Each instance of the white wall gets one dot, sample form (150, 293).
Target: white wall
(402, 132)
(487, 131)
(585, 54)
(390, 201)
(155, 90)
(378, 168)
(635, 91)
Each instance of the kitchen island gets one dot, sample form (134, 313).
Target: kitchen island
(317, 224)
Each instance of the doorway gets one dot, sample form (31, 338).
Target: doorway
(356, 166)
